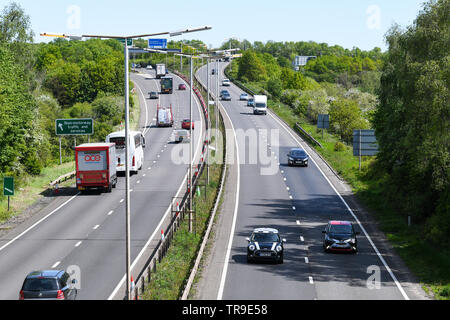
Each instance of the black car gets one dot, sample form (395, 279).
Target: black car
(297, 156)
(48, 285)
(340, 236)
(153, 95)
(265, 244)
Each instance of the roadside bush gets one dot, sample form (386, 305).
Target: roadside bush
(339, 146)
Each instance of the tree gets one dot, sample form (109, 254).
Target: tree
(251, 67)
(413, 121)
(345, 117)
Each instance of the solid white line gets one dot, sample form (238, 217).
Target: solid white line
(35, 224)
(169, 210)
(236, 204)
(399, 286)
(78, 243)
(146, 109)
(56, 264)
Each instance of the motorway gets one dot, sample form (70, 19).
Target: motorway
(298, 201)
(88, 230)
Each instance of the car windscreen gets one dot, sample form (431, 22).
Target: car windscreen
(40, 284)
(298, 153)
(265, 237)
(341, 229)
(260, 105)
(119, 141)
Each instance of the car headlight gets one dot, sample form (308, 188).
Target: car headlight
(279, 248)
(251, 247)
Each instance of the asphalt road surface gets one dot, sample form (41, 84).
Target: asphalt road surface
(298, 201)
(88, 230)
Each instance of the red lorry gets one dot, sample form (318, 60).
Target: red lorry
(96, 166)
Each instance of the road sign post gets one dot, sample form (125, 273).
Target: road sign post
(8, 187)
(364, 144)
(73, 127)
(323, 122)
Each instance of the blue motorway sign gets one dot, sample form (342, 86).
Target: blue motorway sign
(157, 43)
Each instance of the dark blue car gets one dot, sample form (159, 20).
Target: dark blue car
(48, 285)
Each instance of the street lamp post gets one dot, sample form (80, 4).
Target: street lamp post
(127, 173)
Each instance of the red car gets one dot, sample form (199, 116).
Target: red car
(186, 124)
(181, 86)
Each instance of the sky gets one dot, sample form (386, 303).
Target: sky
(348, 23)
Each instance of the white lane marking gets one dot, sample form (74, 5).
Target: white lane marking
(121, 200)
(78, 243)
(139, 181)
(302, 239)
(311, 280)
(388, 269)
(143, 175)
(56, 264)
(290, 197)
(109, 213)
(293, 208)
(298, 222)
(35, 224)
(306, 260)
(96, 226)
(169, 209)
(287, 188)
(236, 204)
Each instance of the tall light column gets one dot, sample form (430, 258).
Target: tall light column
(127, 173)
(190, 150)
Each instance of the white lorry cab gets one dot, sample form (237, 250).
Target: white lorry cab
(260, 106)
(135, 150)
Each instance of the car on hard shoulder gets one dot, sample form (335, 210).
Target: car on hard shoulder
(186, 124)
(181, 86)
(153, 95)
(297, 157)
(243, 97)
(48, 285)
(340, 236)
(265, 244)
(250, 102)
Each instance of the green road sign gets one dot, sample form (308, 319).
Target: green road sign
(129, 42)
(8, 186)
(74, 126)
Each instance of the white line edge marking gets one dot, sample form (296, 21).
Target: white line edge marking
(158, 227)
(230, 240)
(35, 224)
(388, 269)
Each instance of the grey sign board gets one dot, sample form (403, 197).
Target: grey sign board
(364, 143)
(323, 121)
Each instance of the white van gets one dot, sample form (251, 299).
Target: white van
(260, 106)
(135, 150)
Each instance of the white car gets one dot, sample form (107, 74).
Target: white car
(226, 82)
(149, 67)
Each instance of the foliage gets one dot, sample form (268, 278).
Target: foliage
(412, 121)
